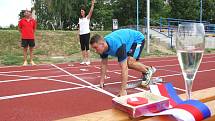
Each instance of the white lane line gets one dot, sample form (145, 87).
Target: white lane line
(97, 88)
(178, 64)
(116, 72)
(22, 66)
(206, 70)
(168, 70)
(16, 80)
(57, 76)
(67, 82)
(130, 69)
(138, 79)
(140, 89)
(183, 90)
(29, 70)
(98, 65)
(29, 77)
(145, 60)
(202, 71)
(38, 93)
(14, 75)
(128, 75)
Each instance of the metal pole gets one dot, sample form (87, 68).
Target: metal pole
(201, 11)
(34, 9)
(137, 14)
(160, 24)
(148, 24)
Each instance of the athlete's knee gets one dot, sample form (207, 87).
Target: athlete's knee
(130, 62)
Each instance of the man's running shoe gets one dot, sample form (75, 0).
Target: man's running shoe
(147, 76)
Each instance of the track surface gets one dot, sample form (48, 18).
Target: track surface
(51, 92)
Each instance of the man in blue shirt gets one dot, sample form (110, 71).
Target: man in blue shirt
(126, 45)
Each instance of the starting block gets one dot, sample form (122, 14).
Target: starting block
(140, 83)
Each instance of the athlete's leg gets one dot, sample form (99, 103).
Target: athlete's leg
(133, 64)
(83, 50)
(31, 48)
(25, 63)
(31, 56)
(87, 38)
(24, 44)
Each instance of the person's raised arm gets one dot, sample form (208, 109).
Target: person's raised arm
(91, 9)
(124, 77)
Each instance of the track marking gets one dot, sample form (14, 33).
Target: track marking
(16, 80)
(128, 75)
(107, 83)
(38, 93)
(140, 89)
(145, 60)
(135, 80)
(96, 65)
(14, 75)
(117, 72)
(77, 84)
(83, 69)
(93, 72)
(169, 70)
(130, 69)
(30, 77)
(97, 88)
(82, 86)
(49, 77)
(89, 73)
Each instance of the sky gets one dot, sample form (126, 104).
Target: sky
(10, 9)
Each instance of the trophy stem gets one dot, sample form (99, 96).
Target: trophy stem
(188, 85)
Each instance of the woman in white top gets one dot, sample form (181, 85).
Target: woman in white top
(84, 33)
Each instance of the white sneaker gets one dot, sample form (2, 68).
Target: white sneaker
(150, 72)
(88, 62)
(148, 75)
(82, 63)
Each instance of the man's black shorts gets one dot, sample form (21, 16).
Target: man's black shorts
(136, 50)
(28, 43)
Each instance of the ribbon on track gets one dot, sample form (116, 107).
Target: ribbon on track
(193, 109)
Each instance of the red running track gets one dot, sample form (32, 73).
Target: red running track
(51, 92)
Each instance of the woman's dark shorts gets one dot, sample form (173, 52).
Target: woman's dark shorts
(84, 41)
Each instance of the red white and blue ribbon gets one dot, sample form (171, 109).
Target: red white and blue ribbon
(188, 110)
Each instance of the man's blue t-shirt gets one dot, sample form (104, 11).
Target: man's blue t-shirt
(120, 42)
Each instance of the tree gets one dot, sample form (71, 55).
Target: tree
(102, 15)
(184, 9)
(208, 10)
(159, 9)
(44, 17)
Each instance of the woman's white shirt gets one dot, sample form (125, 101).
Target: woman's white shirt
(84, 25)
